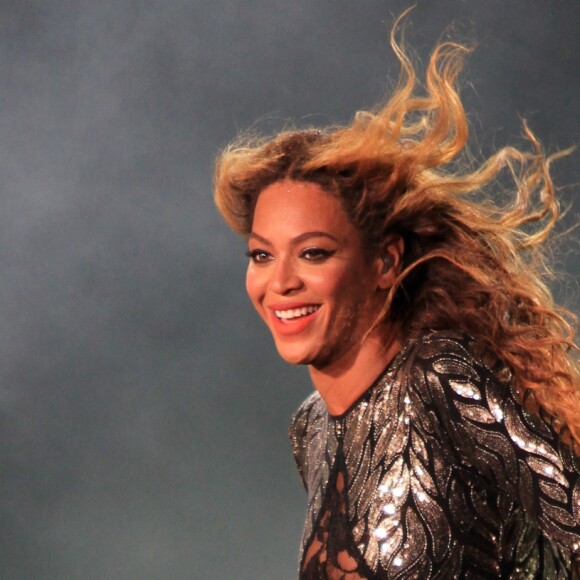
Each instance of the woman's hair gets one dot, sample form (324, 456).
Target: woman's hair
(471, 263)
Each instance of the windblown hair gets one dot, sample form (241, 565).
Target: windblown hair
(471, 263)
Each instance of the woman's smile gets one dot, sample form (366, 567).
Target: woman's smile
(293, 312)
(291, 319)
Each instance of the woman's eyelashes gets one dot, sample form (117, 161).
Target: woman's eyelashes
(314, 254)
(259, 256)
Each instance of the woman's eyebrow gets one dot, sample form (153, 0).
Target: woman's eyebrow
(298, 239)
(307, 235)
(255, 236)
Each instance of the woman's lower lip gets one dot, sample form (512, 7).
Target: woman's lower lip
(291, 326)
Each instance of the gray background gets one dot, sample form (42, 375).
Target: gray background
(143, 409)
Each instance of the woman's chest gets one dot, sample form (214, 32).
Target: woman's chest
(386, 494)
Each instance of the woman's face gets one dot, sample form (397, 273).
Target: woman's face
(308, 276)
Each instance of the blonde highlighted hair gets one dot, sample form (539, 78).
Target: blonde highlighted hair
(471, 263)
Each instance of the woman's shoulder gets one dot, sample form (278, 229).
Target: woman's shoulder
(455, 368)
(451, 352)
(310, 409)
(310, 412)
(470, 392)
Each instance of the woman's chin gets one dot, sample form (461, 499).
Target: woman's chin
(295, 356)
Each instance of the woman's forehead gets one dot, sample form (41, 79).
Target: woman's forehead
(302, 203)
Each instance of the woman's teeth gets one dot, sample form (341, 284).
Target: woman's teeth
(295, 312)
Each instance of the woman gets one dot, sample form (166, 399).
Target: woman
(440, 440)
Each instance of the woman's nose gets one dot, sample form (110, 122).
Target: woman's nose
(285, 278)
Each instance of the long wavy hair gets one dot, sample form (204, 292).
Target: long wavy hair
(473, 261)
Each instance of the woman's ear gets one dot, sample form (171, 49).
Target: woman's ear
(391, 258)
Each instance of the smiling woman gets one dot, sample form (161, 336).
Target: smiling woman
(440, 441)
(318, 291)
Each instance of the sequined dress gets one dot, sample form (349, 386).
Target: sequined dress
(436, 472)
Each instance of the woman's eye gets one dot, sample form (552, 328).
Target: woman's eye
(316, 254)
(258, 256)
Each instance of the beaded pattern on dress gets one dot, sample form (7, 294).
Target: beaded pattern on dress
(441, 474)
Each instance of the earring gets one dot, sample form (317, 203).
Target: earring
(387, 263)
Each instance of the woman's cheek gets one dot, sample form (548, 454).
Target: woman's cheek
(253, 285)
(326, 280)
(256, 284)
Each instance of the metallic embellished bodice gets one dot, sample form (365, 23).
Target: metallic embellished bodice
(436, 472)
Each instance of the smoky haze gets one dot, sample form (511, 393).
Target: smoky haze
(143, 409)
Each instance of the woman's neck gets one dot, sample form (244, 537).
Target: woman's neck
(340, 384)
